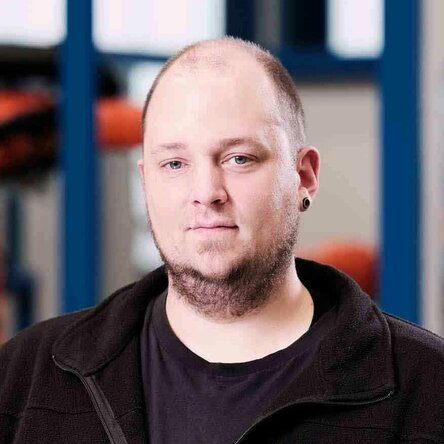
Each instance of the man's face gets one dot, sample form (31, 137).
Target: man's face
(219, 179)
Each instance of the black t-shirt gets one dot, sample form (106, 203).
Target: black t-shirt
(191, 400)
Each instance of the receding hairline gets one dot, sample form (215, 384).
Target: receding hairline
(206, 54)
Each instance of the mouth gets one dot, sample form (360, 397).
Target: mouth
(214, 230)
(217, 227)
(212, 225)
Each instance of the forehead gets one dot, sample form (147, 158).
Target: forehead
(213, 90)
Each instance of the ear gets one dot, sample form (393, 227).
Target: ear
(308, 164)
(141, 171)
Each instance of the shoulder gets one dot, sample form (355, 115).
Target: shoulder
(418, 359)
(418, 355)
(27, 358)
(32, 339)
(37, 339)
(27, 368)
(41, 336)
(411, 337)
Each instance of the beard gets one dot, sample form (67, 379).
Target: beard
(248, 283)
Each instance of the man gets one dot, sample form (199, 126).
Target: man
(233, 340)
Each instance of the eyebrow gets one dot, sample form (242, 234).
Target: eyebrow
(168, 147)
(222, 144)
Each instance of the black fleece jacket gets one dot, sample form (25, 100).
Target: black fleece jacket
(374, 379)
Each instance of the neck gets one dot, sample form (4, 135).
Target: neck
(282, 320)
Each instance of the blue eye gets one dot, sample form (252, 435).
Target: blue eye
(175, 164)
(240, 160)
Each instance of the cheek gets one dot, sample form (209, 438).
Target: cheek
(162, 206)
(258, 204)
(284, 189)
(276, 203)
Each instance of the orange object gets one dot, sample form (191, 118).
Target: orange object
(118, 123)
(357, 259)
(14, 103)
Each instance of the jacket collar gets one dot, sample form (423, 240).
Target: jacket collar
(354, 361)
(100, 334)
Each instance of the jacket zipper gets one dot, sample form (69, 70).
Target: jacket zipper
(91, 394)
(307, 402)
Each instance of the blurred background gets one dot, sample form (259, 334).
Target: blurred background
(73, 78)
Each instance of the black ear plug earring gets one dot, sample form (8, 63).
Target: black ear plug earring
(306, 202)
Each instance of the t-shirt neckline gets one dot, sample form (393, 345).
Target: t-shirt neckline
(299, 349)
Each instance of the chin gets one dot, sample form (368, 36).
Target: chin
(213, 267)
(209, 263)
(216, 271)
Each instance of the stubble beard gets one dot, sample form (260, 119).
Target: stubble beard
(246, 286)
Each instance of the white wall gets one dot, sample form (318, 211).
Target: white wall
(117, 267)
(432, 134)
(342, 122)
(41, 214)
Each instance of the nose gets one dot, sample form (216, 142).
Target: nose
(208, 186)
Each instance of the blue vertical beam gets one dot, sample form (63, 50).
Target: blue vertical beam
(79, 161)
(401, 204)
